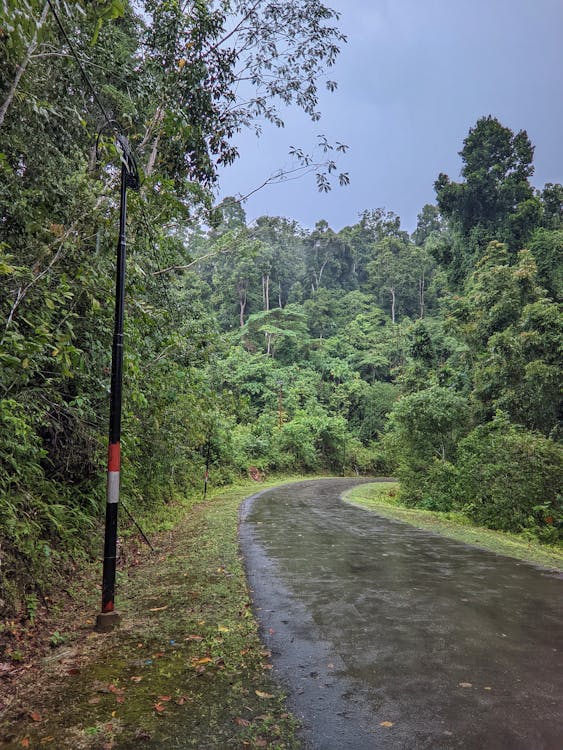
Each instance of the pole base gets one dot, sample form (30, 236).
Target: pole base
(107, 621)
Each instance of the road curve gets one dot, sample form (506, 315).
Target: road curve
(391, 637)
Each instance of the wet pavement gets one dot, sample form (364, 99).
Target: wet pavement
(371, 621)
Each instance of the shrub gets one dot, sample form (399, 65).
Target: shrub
(510, 478)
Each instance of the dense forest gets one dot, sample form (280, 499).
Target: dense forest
(433, 357)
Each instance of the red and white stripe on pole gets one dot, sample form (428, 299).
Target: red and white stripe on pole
(114, 470)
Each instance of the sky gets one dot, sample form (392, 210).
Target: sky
(414, 76)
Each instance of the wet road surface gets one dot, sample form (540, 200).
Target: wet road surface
(370, 620)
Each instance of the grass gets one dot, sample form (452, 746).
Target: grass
(383, 498)
(185, 669)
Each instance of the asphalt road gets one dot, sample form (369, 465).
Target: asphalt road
(391, 637)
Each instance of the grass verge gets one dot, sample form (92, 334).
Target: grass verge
(185, 669)
(382, 498)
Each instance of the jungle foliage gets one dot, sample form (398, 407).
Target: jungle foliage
(434, 356)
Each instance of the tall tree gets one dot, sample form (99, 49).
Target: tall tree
(495, 201)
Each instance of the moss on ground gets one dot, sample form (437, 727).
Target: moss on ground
(382, 498)
(185, 669)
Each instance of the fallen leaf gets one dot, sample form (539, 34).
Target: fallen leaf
(25, 742)
(115, 690)
(136, 679)
(158, 609)
(261, 694)
(164, 698)
(181, 700)
(487, 688)
(386, 723)
(466, 684)
(194, 638)
(46, 740)
(242, 722)
(260, 742)
(223, 629)
(158, 655)
(35, 715)
(93, 701)
(120, 699)
(159, 708)
(203, 660)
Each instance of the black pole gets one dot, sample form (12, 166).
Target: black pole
(109, 617)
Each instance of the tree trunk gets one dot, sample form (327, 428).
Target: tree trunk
(23, 65)
(266, 291)
(157, 121)
(279, 295)
(152, 157)
(392, 290)
(242, 306)
(242, 302)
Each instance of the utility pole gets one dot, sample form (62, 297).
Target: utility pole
(108, 618)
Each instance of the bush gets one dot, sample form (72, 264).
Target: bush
(421, 443)
(510, 479)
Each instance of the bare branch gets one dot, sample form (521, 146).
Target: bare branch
(23, 65)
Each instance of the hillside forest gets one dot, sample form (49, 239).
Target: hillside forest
(432, 356)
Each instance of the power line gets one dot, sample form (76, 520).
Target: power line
(127, 152)
(152, 246)
(110, 121)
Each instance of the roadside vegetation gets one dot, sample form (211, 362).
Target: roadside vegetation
(383, 499)
(186, 668)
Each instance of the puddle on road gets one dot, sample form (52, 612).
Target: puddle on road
(456, 646)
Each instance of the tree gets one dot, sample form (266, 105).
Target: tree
(495, 201)
(372, 228)
(551, 198)
(429, 222)
(546, 245)
(393, 276)
(284, 238)
(328, 259)
(423, 434)
(276, 327)
(497, 165)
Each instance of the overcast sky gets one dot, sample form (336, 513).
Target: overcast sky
(413, 78)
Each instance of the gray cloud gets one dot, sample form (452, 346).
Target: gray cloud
(413, 78)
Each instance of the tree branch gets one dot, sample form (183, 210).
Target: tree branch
(23, 65)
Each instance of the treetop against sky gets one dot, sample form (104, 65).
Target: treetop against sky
(412, 79)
